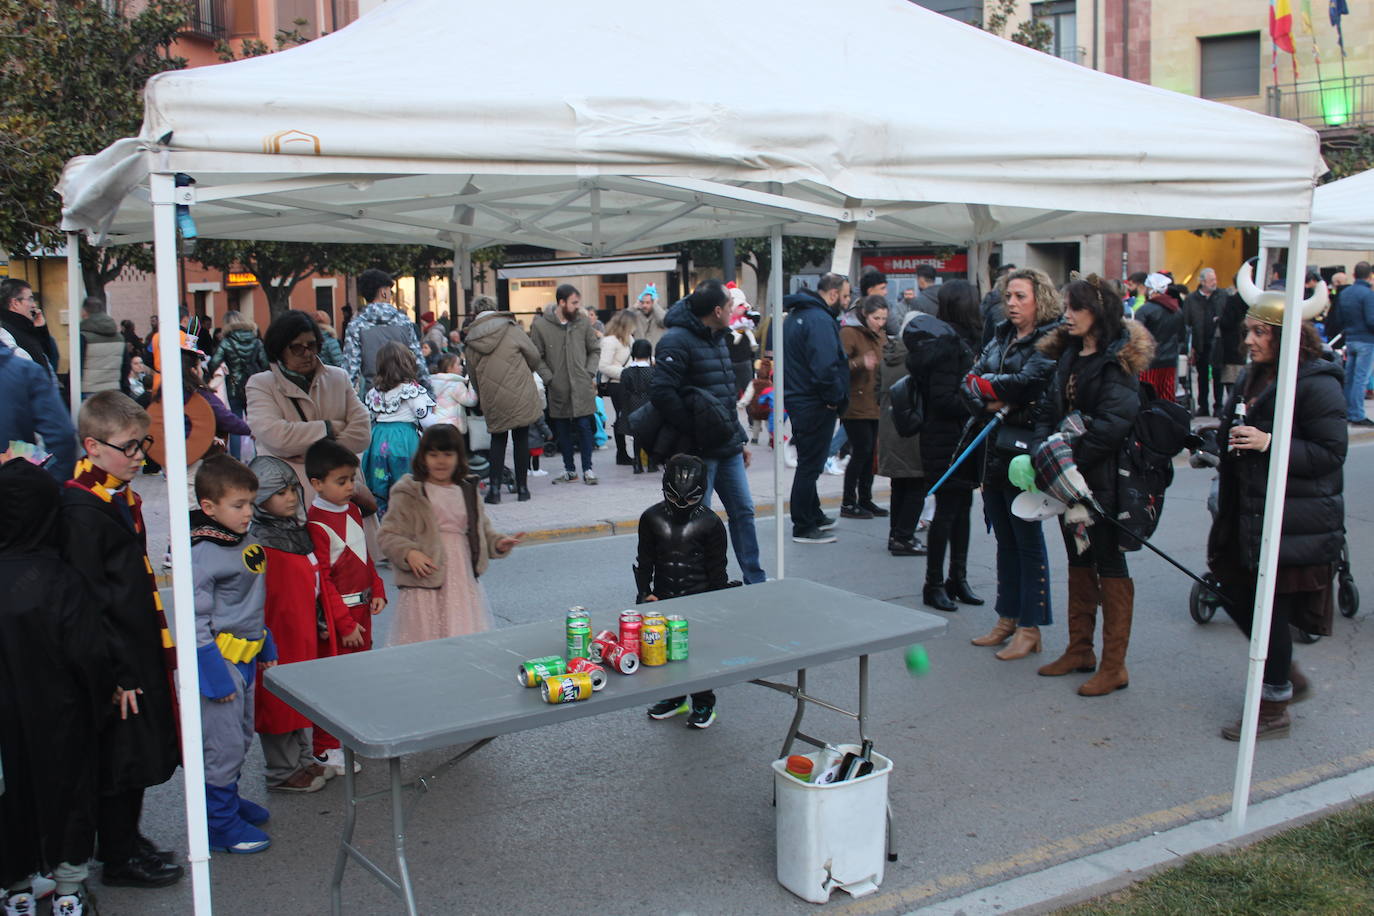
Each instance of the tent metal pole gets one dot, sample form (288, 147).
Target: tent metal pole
(779, 443)
(162, 191)
(75, 296)
(1276, 492)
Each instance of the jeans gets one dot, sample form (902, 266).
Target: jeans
(837, 441)
(727, 477)
(520, 446)
(586, 434)
(1023, 575)
(858, 474)
(239, 409)
(1359, 359)
(811, 431)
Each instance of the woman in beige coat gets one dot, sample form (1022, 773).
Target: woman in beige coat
(615, 354)
(299, 400)
(501, 363)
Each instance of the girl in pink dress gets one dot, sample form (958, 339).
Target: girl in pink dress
(439, 541)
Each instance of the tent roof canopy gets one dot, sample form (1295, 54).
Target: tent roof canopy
(400, 129)
(1342, 217)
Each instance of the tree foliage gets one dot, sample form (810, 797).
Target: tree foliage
(71, 83)
(1349, 156)
(1032, 32)
(757, 251)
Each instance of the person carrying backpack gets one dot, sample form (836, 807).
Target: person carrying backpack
(377, 324)
(1100, 356)
(242, 355)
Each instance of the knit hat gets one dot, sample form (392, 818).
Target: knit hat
(651, 291)
(427, 318)
(1157, 283)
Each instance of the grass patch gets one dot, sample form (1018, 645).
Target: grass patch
(1323, 869)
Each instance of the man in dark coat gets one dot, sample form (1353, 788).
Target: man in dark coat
(55, 686)
(1202, 312)
(105, 542)
(20, 316)
(816, 392)
(692, 354)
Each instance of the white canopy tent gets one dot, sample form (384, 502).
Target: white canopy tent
(1342, 217)
(431, 121)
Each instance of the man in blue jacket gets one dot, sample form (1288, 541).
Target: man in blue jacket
(815, 392)
(1356, 304)
(30, 408)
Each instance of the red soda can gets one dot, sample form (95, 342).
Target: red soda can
(630, 624)
(582, 665)
(623, 660)
(604, 642)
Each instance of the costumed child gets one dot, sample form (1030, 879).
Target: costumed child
(400, 407)
(336, 528)
(105, 541)
(302, 613)
(634, 391)
(232, 644)
(452, 392)
(681, 552)
(439, 541)
(55, 687)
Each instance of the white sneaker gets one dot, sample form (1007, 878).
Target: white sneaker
(589, 477)
(836, 466)
(21, 905)
(789, 456)
(69, 905)
(538, 472)
(333, 759)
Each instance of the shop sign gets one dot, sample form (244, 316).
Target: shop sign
(897, 265)
(243, 279)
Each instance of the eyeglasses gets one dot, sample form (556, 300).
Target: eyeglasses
(305, 349)
(132, 448)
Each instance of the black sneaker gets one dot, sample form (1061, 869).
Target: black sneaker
(666, 709)
(701, 717)
(814, 536)
(870, 506)
(850, 510)
(827, 522)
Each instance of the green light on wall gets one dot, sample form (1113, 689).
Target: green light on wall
(1335, 106)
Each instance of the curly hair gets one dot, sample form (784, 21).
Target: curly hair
(395, 366)
(1048, 306)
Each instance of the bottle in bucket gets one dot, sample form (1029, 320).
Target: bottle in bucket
(653, 644)
(579, 633)
(582, 665)
(677, 638)
(800, 767)
(602, 645)
(623, 660)
(630, 624)
(566, 688)
(532, 672)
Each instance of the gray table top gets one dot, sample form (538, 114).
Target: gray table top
(401, 700)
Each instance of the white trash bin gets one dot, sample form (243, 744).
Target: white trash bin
(833, 835)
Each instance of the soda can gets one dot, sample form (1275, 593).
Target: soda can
(598, 673)
(530, 673)
(623, 660)
(677, 638)
(566, 688)
(579, 639)
(630, 624)
(653, 645)
(604, 642)
(652, 618)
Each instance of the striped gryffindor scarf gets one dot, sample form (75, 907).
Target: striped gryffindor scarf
(109, 488)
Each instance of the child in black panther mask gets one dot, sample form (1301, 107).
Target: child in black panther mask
(681, 552)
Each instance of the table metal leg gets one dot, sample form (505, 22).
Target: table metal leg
(346, 841)
(863, 698)
(796, 716)
(398, 828)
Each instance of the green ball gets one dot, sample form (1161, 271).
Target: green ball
(917, 660)
(1021, 473)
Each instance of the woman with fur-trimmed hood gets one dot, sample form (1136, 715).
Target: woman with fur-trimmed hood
(1100, 357)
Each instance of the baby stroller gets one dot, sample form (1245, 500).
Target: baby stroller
(1203, 602)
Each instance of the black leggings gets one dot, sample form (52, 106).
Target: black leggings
(858, 475)
(908, 496)
(1103, 553)
(116, 826)
(1279, 663)
(520, 443)
(949, 528)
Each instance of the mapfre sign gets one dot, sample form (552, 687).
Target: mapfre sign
(896, 265)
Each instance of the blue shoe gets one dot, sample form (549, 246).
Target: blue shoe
(253, 813)
(229, 832)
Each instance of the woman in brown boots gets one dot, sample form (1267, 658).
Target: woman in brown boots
(1100, 358)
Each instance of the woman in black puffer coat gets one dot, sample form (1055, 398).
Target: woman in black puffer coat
(1314, 508)
(939, 355)
(1013, 373)
(1100, 358)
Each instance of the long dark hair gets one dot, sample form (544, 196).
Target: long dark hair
(1091, 295)
(958, 306)
(441, 437)
(1261, 375)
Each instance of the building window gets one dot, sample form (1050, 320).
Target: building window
(963, 10)
(1230, 66)
(1059, 15)
(208, 18)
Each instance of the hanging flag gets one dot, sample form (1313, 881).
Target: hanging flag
(1339, 9)
(1281, 25)
(1307, 27)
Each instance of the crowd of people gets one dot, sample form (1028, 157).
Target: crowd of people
(334, 453)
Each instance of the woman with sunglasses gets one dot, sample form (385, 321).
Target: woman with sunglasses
(299, 400)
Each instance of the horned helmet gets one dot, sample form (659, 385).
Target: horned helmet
(1267, 305)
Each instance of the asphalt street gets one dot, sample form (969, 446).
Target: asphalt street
(997, 771)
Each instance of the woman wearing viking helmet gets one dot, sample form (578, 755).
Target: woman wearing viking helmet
(1313, 529)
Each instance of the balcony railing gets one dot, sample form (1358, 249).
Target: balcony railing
(1329, 103)
(208, 18)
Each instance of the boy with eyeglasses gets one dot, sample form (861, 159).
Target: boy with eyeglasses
(104, 540)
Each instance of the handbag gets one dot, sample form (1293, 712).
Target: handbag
(906, 407)
(1013, 440)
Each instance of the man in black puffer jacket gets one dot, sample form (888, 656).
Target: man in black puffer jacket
(692, 353)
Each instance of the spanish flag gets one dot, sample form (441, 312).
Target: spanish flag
(1281, 25)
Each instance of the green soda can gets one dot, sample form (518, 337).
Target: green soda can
(677, 638)
(533, 672)
(579, 633)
